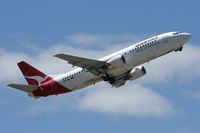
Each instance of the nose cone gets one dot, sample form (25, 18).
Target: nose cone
(186, 36)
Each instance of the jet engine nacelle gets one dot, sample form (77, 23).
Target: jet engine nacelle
(137, 72)
(116, 62)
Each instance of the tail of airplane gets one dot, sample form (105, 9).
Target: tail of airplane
(32, 75)
(37, 80)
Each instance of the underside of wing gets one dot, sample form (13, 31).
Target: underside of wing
(119, 83)
(94, 66)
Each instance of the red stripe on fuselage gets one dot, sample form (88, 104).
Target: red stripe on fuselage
(50, 87)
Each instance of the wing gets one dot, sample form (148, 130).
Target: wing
(94, 66)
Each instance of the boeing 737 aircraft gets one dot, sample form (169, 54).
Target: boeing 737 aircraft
(114, 69)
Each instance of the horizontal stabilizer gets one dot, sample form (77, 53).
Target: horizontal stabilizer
(25, 88)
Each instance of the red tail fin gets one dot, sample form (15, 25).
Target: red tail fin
(32, 75)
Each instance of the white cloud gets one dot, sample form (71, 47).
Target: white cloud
(183, 66)
(130, 100)
(48, 105)
(8, 64)
(101, 40)
(84, 38)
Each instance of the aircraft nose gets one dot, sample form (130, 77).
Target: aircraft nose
(186, 36)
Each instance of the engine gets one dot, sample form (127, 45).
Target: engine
(116, 62)
(137, 72)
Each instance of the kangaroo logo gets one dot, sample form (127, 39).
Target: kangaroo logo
(39, 79)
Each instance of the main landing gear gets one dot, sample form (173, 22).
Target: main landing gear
(179, 49)
(108, 78)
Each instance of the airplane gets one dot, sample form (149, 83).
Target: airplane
(115, 69)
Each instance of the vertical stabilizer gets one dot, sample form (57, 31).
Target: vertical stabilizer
(32, 75)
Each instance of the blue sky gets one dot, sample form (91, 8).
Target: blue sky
(166, 100)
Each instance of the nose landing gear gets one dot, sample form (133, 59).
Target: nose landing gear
(179, 49)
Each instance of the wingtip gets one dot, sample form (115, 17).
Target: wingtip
(56, 55)
(10, 85)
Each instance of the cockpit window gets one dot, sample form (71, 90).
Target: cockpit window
(176, 33)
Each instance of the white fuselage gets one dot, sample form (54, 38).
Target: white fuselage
(134, 55)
